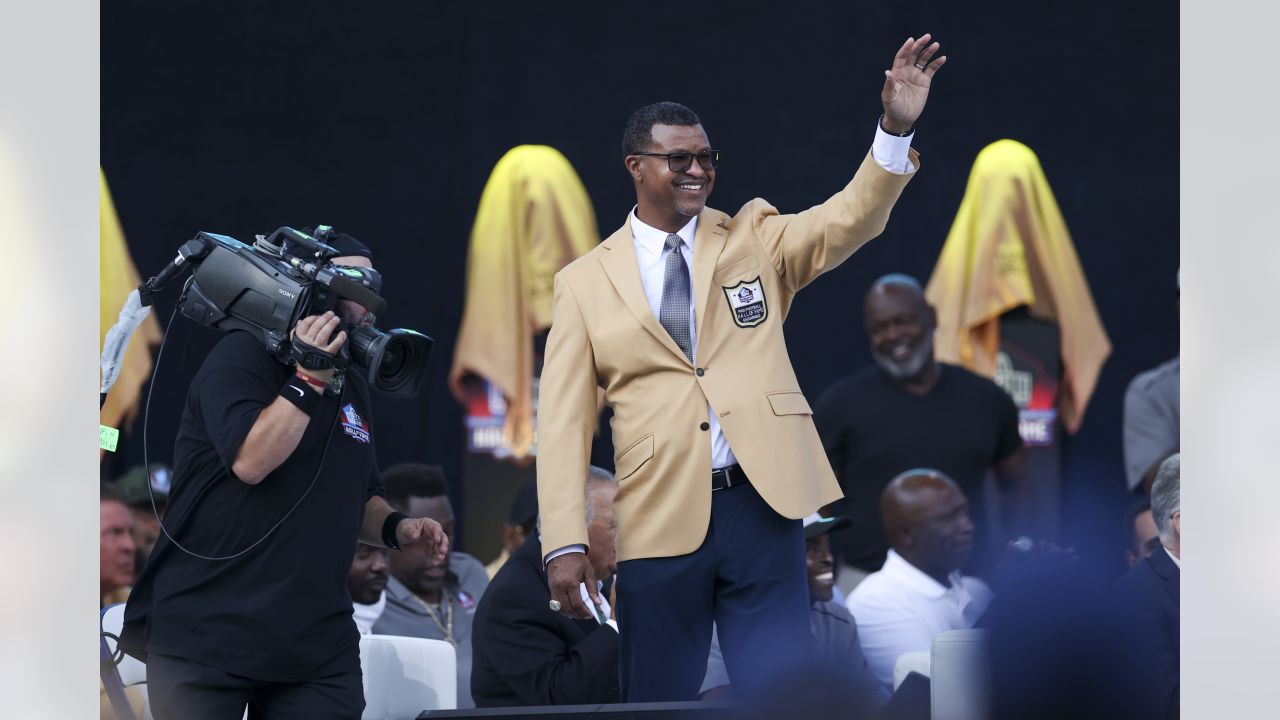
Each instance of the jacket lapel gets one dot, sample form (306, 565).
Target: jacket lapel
(623, 269)
(708, 243)
(1168, 573)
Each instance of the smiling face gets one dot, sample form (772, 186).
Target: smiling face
(900, 327)
(665, 199)
(821, 568)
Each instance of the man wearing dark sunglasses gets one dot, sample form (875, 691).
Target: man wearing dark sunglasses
(678, 317)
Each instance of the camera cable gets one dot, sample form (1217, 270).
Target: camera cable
(146, 421)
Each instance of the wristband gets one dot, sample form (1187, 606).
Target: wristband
(301, 395)
(318, 384)
(910, 130)
(389, 529)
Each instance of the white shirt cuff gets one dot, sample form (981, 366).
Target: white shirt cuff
(565, 551)
(891, 151)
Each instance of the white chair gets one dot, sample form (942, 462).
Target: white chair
(912, 662)
(959, 684)
(404, 676)
(131, 671)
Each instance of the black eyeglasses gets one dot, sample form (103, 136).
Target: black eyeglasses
(682, 161)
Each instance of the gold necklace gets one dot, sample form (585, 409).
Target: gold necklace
(447, 626)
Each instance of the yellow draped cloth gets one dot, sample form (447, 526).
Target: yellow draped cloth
(534, 218)
(1009, 247)
(117, 275)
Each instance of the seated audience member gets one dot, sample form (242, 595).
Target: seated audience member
(437, 603)
(1151, 421)
(1152, 415)
(835, 633)
(519, 525)
(138, 496)
(1141, 531)
(366, 581)
(116, 547)
(528, 654)
(1150, 598)
(919, 592)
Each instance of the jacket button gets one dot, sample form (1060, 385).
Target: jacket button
(699, 372)
(705, 426)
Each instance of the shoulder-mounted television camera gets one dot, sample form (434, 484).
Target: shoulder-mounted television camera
(267, 287)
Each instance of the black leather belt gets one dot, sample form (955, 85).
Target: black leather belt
(727, 477)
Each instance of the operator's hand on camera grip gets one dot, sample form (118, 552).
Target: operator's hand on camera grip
(317, 332)
(423, 536)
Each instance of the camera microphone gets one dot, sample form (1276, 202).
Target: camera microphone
(356, 292)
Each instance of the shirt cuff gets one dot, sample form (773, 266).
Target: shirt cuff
(564, 551)
(891, 151)
(612, 623)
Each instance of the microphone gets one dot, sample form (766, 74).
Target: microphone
(356, 292)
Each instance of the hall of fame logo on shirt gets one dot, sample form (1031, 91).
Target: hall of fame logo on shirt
(467, 602)
(746, 302)
(352, 424)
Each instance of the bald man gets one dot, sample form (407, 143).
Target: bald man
(919, 592)
(909, 411)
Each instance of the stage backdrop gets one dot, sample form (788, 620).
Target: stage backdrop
(386, 119)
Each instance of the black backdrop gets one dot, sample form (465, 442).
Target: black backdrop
(385, 119)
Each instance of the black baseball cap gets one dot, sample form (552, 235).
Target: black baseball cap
(816, 525)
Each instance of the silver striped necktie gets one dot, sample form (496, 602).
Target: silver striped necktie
(674, 311)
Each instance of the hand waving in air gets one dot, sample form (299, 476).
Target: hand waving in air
(907, 82)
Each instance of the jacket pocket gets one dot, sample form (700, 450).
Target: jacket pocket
(789, 403)
(630, 460)
(742, 266)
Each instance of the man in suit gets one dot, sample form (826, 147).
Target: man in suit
(678, 317)
(524, 653)
(1149, 596)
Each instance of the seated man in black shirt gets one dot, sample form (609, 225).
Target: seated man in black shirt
(911, 411)
(244, 600)
(525, 653)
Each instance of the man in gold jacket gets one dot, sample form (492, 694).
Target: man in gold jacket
(678, 317)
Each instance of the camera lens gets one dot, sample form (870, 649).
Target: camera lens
(396, 361)
(394, 357)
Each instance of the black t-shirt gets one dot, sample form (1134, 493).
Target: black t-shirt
(280, 612)
(873, 430)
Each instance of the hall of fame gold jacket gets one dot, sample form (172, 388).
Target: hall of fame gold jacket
(746, 270)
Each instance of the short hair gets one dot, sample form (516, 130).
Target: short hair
(638, 135)
(597, 478)
(1166, 495)
(898, 279)
(405, 480)
(1136, 508)
(110, 492)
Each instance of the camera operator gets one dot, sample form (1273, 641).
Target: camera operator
(244, 601)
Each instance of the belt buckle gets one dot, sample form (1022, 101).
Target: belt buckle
(728, 477)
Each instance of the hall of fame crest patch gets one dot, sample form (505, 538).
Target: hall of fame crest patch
(353, 425)
(747, 303)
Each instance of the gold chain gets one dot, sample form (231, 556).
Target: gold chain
(447, 626)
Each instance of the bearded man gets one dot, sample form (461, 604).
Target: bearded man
(909, 411)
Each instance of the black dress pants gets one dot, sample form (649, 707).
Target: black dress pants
(180, 688)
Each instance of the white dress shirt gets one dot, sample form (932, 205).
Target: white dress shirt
(890, 151)
(900, 609)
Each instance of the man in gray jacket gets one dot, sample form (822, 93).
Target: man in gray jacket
(437, 603)
(835, 633)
